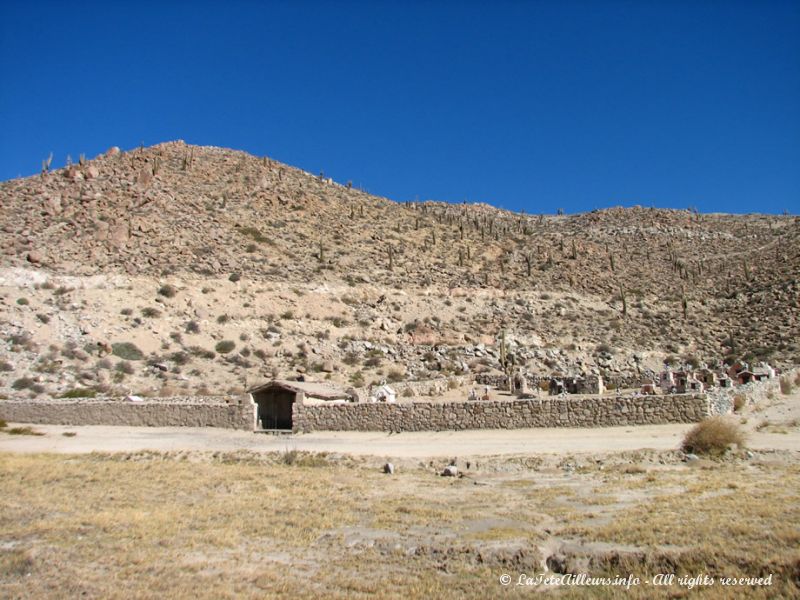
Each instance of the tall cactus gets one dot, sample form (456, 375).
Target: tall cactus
(46, 164)
(503, 350)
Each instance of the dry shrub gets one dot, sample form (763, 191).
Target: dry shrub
(786, 386)
(739, 401)
(713, 436)
(21, 431)
(15, 563)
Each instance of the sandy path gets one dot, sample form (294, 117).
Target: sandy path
(404, 445)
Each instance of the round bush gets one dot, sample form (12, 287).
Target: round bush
(168, 291)
(713, 437)
(127, 351)
(225, 346)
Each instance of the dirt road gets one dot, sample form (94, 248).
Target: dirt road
(404, 445)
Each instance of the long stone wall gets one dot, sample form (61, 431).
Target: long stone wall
(179, 412)
(511, 414)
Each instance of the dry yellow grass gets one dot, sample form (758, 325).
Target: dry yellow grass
(150, 525)
(713, 436)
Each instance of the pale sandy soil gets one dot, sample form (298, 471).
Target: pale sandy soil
(406, 445)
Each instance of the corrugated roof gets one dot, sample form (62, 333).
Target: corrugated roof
(312, 389)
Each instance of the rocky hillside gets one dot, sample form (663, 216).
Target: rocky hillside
(247, 244)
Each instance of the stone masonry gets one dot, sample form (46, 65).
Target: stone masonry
(510, 414)
(231, 414)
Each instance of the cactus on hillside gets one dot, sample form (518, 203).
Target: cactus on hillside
(46, 164)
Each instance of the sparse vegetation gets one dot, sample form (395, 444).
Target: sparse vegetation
(168, 291)
(79, 393)
(713, 437)
(20, 431)
(126, 351)
(23, 383)
(125, 368)
(225, 346)
(395, 375)
(686, 510)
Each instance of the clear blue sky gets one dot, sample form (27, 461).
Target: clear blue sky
(526, 105)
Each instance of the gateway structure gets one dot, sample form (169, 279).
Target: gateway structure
(275, 400)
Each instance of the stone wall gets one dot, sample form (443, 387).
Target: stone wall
(229, 413)
(511, 414)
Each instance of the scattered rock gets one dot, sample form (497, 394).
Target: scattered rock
(450, 471)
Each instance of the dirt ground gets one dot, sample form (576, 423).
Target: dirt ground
(205, 513)
(404, 445)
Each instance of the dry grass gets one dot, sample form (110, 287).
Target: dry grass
(19, 431)
(252, 526)
(713, 437)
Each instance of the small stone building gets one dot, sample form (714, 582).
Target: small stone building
(763, 371)
(275, 400)
(556, 386)
(384, 393)
(587, 384)
(666, 381)
(679, 382)
(745, 376)
(708, 377)
(649, 387)
(725, 381)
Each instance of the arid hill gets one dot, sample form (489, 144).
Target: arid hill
(175, 248)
